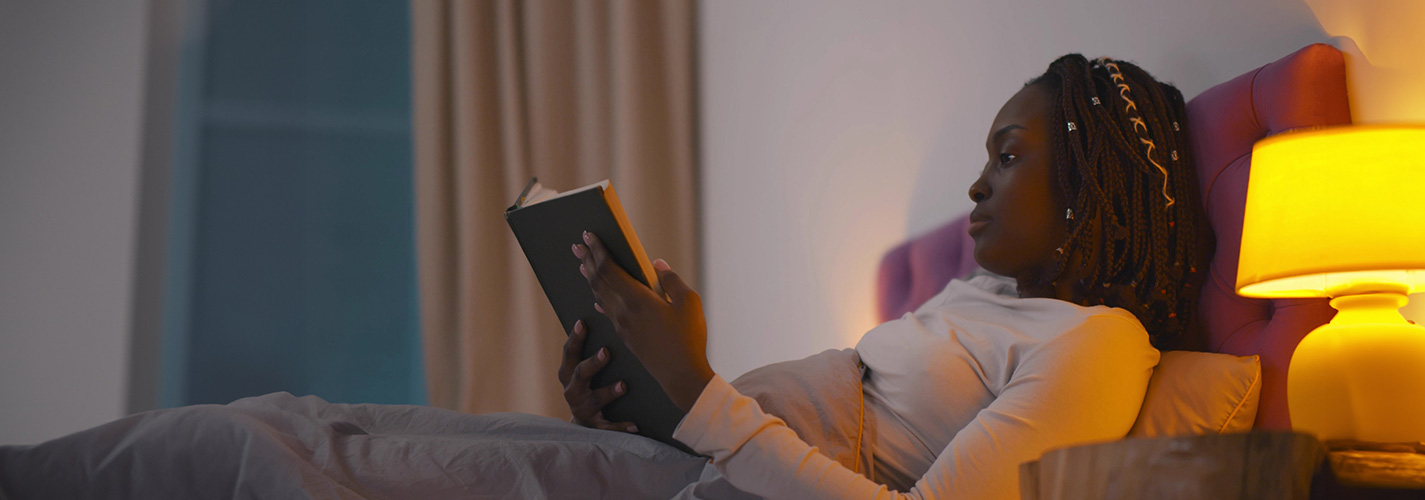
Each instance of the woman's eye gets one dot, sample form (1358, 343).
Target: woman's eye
(1006, 158)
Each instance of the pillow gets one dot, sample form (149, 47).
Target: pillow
(1195, 393)
(819, 397)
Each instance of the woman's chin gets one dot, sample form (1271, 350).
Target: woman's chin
(983, 258)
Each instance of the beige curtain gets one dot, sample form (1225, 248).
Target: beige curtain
(572, 92)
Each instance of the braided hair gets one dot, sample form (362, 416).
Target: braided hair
(1125, 171)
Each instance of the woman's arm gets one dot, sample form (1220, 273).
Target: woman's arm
(1085, 386)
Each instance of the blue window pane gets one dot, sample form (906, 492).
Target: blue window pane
(303, 266)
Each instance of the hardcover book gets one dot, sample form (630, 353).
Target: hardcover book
(547, 223)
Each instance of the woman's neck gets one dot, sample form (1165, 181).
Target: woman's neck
(1032, 285)
(1062, 290)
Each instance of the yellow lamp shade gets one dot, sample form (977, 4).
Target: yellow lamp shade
(1335, 211)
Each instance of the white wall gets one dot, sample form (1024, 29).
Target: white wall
(835, 129)
(1382, 41)
(70, 116)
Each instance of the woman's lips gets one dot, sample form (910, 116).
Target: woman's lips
(978, 221)
(978, 226)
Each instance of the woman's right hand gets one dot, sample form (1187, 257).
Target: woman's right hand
(585, 403)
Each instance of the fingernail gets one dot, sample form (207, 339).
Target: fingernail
(620, 388)
(633, 428)
(588, 237)
(662, 265)
(579, 326)
(575, 248)
(603, 354)
(582, 271)
(598, 308)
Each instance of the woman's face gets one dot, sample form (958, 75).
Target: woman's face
(1018, 221)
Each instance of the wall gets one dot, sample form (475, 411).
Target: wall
(1382, 41)
(832, 130)
(70, 116)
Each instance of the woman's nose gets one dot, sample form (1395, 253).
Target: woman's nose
(979, 190)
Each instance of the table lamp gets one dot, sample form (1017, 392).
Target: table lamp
(1340, 212)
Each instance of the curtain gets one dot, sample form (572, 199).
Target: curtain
(572, 92)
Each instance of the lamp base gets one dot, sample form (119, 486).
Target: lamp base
(1361, 376)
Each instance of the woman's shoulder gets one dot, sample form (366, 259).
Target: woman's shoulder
(1103, 334)
(1111, 319)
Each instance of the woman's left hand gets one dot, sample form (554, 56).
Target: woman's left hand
(669, 335)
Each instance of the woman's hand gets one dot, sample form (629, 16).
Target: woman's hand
(587, 404)
(668, 334)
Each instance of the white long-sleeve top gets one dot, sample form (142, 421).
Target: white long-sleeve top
(962, 391)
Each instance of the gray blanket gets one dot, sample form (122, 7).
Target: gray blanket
(282, 446)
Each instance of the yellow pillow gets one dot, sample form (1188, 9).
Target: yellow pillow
(1195, 393)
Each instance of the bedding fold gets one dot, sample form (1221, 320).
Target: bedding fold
(282, 446)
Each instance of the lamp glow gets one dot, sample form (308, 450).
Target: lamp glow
(1340, 213)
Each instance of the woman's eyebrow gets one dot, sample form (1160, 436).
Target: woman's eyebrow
(998, 134)
(1005, 130)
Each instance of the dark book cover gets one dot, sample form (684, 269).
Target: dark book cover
(546, 230)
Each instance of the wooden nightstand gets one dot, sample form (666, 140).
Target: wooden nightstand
(1256, 465)
(1373, 471)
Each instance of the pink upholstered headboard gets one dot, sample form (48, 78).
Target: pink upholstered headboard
(1304, 89)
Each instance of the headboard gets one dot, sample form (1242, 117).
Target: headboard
(1304, 89)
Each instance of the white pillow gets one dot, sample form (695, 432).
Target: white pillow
(1193, 393)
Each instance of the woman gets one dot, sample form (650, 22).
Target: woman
(1088, 201)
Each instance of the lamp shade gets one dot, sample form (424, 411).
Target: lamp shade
(1335, 210)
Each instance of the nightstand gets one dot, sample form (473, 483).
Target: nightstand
(1255, 465)
(1373, 471)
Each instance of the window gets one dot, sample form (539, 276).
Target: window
(291, 233)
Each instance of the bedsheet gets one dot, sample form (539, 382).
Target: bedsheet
(283, 446)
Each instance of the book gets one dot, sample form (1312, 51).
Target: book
(547, 223)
